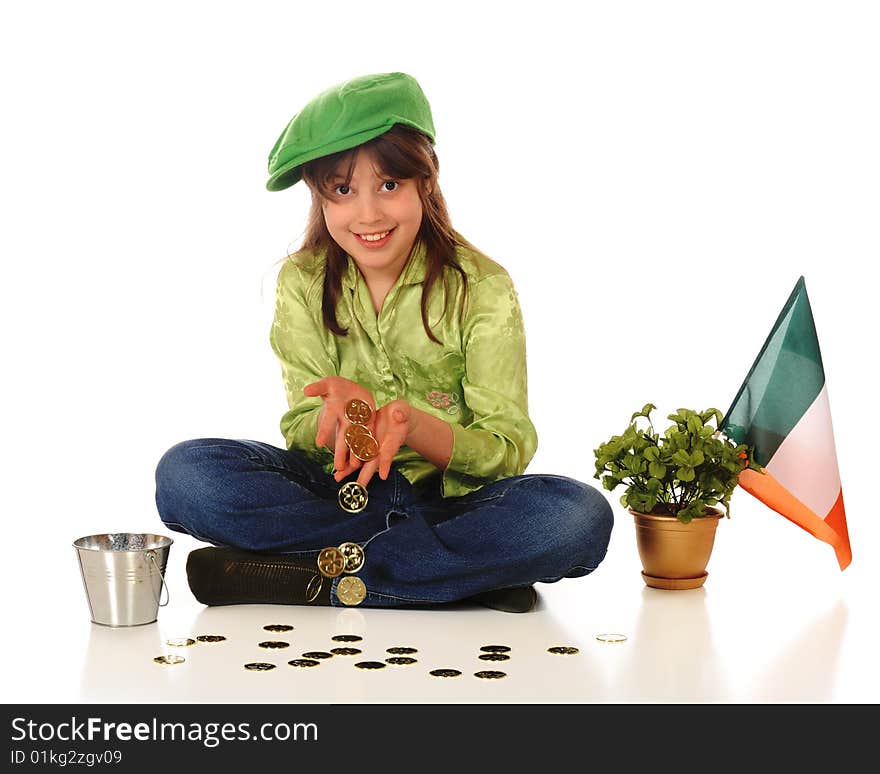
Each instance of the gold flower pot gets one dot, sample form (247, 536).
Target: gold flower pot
(675, 555)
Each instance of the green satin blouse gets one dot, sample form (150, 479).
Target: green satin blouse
(476, 380)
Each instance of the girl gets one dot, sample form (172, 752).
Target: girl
(402, 352)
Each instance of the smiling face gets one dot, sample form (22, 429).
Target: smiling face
(374, 218)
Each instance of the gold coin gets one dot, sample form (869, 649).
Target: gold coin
(401, 660)
(317, 654)
(169, 659)
(352, 497)
(495, 649)
(611, 637)
(259, 666)
(314, 587)
(358, 411)
(210, 638)
(365, 447)
(563, 650)
(278, 628)
(370, 665)
(351, 590)
(444, 673)
(345, 651)
(399, 651)
(181, 642)
(354, 556)
(274, 644)
(495, 657)
(331, 562)
(490, 674)
(346, 638)
(353, 432)
(303, 662)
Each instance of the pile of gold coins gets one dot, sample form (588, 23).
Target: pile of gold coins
(363, 445)
(399, 655)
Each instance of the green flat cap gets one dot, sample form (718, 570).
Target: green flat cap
(344, 116)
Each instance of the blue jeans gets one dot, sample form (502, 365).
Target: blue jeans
(419, 548)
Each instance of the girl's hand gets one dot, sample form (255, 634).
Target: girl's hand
(336, 391)
(394, 422)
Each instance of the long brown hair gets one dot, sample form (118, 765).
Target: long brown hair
(401, 153)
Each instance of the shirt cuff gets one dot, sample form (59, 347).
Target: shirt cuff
(456, 480)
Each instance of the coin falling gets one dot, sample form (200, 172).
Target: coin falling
(611, 637)
(490, 674)
(351, 590)
(495, 657)
(495, 649)
(314, 588)
(444, 673)
(181, 642)
(303, 662)
(169, 659)
(353, 555)
(401, 650)
(210, 638)
(401, 660)
(352, 497)
(278, 628)
(346, 638)
(259, 666)
(317, 654)
(274, 644)
(370, 665)
(331, 562)
(563, 650)
(345, 651)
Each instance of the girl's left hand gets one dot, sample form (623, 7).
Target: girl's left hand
(394, 422)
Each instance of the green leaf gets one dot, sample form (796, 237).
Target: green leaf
(685, 474)
(609, 482)
(681, 457)
(645, 412)
(656, 470)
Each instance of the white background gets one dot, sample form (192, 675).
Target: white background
(655, 176)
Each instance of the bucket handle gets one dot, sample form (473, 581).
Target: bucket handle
(151, 555)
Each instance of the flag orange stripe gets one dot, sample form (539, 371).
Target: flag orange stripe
(773, 494)
(836, 519)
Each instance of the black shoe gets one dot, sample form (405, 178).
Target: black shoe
(521, 599)
(228, 576)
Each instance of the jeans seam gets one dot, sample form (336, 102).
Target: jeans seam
(401, 599)
(187, 531)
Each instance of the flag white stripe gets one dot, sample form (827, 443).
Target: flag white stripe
(806, 461)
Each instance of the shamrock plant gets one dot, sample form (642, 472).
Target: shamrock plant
(681, 474)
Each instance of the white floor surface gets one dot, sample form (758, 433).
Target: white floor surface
(768, 629)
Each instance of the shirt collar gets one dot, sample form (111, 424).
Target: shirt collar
(413, 272)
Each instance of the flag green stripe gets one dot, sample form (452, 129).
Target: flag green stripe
(783, 382)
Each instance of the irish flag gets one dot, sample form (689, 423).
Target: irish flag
(782, 410)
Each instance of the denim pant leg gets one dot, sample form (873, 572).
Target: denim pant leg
(256, 497)
(512, 532)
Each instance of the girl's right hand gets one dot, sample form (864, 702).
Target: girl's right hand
(337, 391)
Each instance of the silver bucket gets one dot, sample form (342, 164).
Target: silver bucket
(123, 574)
